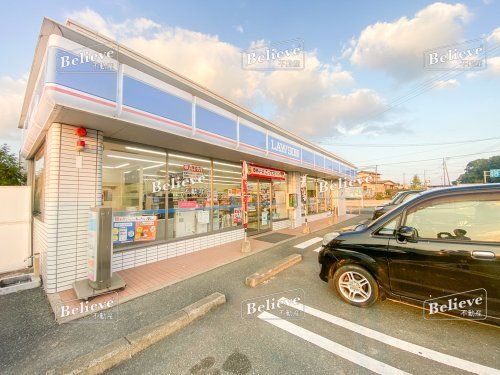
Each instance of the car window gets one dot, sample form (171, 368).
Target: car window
(408, 197)
(396, 198)
(463, 218)
(389, 228)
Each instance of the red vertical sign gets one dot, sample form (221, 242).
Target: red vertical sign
(244, 192)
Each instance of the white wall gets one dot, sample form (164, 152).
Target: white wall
(15, 216)
(69, 194)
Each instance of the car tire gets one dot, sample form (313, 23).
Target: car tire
(355, 285)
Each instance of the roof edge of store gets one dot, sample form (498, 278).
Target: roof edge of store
(50, 27)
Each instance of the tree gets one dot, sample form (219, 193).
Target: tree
(416, 183)
(474, 171)
(11, 171)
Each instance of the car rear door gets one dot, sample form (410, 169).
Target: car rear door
(457, 248)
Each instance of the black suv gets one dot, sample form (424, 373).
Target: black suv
(441, 243)
(399, 198)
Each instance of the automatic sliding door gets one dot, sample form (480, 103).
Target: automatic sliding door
(264, 206)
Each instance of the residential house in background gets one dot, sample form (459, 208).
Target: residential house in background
(377, 187)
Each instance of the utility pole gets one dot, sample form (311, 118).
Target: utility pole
(485, 174)
(447, 175)
(444, 181)
(425, 181)
(404, 180)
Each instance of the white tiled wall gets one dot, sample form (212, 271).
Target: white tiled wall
(69, 193)
(40, 245)
(137, 257)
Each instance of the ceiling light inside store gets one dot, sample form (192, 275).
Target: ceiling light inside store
(117, 166)
(227, 164)
(226, 171)
(129, 158)
(187, 157)
(145, 150)
(153, 166)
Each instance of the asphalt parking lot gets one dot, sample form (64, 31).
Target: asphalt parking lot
(332, 337)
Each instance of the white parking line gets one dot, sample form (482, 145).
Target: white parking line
(398, 343)
(333, 347)
(308, 243)
(318, 249)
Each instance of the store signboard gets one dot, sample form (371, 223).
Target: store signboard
(494, 173)
(277, 146)
(267, 173)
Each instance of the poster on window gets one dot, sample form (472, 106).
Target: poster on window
(191, 171)
(145, 228)
(264, 218)
(237, 215)
(203, 217)
(123, 229)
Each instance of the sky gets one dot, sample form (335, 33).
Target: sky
(363, 94)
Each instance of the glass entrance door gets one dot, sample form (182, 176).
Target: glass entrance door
(259, 206)
(264, 206)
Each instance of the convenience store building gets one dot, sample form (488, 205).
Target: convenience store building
(103, 125)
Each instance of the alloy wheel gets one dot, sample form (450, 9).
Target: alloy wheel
(354, 286)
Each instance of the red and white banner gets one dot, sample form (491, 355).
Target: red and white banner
(265, 172)
(244, 194)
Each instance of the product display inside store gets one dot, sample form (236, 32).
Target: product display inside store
(151, 204)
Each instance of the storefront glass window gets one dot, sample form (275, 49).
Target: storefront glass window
(39, 179)
(328, 194)
(226, 195)
(189, 195)
(279, 209)
(322, 205)
(132, 185)
(312, 198)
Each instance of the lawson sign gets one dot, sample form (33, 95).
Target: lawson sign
(279, 147)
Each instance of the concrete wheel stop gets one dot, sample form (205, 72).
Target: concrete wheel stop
(122, 349)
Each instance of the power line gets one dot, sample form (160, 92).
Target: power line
(422, 160)
(414, 144)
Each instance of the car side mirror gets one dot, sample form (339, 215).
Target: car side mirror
(405, 233)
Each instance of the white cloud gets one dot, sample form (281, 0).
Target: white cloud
(11, 101)
(494, 37)
(240, 29)
(311, 100)
(396, 48)
(126, 29)
(445, 84)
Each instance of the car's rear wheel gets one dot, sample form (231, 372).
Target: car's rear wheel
(355, 285)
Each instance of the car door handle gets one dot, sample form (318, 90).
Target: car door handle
(481, 254)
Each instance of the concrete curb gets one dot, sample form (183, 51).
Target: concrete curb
(266, 273)
(124, 348)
